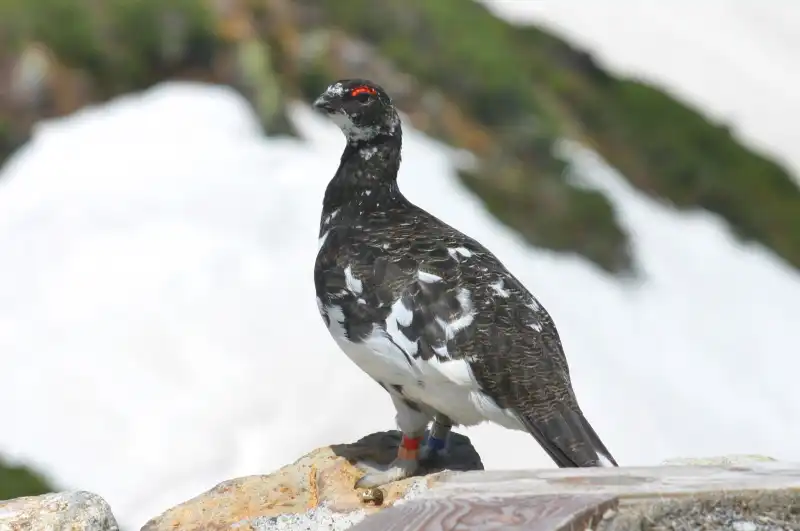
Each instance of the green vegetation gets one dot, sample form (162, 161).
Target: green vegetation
(669, 150)
(530, 87)
(475, 59)
(122, 45)
(16, 481)
(521, 86)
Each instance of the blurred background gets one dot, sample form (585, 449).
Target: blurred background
(635, 163)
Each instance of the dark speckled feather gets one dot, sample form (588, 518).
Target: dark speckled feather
(389, 270)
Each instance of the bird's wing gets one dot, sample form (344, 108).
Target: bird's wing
(441, 301)
(468, 307)
(518, 360)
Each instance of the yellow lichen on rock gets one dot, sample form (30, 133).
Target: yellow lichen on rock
(324, 477)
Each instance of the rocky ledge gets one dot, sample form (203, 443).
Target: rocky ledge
(73, 511)
(315, 492)
(739, 493)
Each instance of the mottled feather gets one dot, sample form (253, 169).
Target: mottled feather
(389, 270)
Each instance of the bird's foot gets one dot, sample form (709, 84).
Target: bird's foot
(404, 465)
(397, 470)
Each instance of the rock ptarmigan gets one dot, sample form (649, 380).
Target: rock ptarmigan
(428, 312)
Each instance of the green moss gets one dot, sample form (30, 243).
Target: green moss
(122, 45)
(153, 37)
(7, 144)
(692, 162)
(63, 25)
(523, 85)
(670, 150)
(16, 481)
(452, 44)
(557, 217)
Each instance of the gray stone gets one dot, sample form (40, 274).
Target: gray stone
(72, 510)
(314, 493)
(728, 493)
(748, 511)
(703, 476)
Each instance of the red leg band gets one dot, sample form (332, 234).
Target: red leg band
(410, 444)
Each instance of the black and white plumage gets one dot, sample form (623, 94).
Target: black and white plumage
(428, 312)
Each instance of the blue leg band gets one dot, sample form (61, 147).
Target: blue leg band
(435, 444)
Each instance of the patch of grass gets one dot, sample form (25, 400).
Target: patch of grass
(562, 218)
(525, 86)
(122, 45)
(17, 481)
(668, 149)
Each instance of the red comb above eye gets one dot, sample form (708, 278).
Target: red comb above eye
(362, 90)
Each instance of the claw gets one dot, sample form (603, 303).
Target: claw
(403, 466)
(398, 469)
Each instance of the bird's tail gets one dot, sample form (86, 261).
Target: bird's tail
(603, 455)
(569, 439)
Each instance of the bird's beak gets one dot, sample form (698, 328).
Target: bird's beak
(324, 103)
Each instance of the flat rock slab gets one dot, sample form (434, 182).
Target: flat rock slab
(73, 510)
(627, 483)
(565, 512)
(732, 494)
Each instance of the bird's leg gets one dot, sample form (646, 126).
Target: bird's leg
(412, 423)
(437, 438)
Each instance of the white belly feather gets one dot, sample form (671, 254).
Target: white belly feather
(448, 387)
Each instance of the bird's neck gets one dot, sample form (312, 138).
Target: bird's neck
(367, 176)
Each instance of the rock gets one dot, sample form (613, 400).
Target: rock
(17, 480)
(73, 510)
(315, 492)
(720, 493)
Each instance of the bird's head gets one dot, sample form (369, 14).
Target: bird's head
(361, 109)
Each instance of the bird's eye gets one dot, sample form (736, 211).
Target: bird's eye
(362, 94)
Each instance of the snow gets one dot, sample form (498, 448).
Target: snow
(734, 59)
(159, 334)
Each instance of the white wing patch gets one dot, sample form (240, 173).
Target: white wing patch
(383, 354)
(451, 328)
(400, 316)
(330, 217)
(322, 239)
(353, 284)
(448, 386)
(325, 223)
(536, 308)
(462, 251)
(499, 288)
(428, 277)
(456, 371)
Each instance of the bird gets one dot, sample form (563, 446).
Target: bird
(430, 313)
